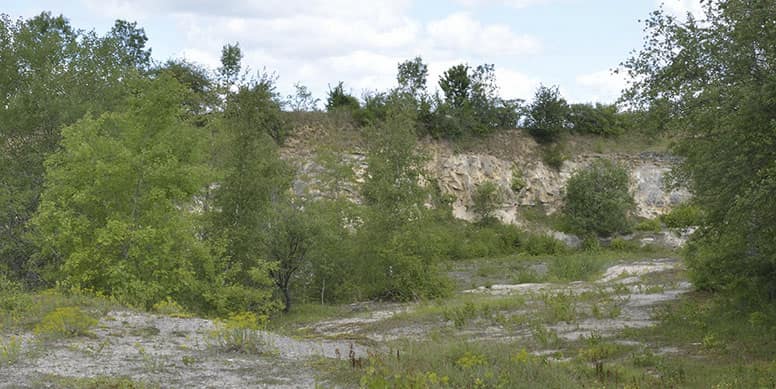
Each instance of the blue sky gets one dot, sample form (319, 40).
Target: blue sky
(570, 43)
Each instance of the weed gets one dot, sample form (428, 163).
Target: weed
(562, 307)
(170, 308)
(10, 350)
(150, 362)
(546, 337)
(239, 333)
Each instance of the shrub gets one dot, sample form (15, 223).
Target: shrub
(683, 216)
(554, 155)
(339, 100)
(648, 225)
(65, 322)
(486, 199)
(239, 333)
(599, 119)
(518, 180)
(543, 245)
(598, 200)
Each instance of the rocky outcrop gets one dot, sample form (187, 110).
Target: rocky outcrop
(511, 160)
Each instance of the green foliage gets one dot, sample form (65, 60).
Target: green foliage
(649, 225)
(89, 73)
(471, 105)
(239, 334)
(599, 119)
(302, 100)
(339, 100)
(554, 155)
(547, 115)
(465, 365)
(170, 308)
(110, 218)
(485, 201)
(540, 244)
(412, 75)
(518, 181)
(717, 75)
(289, 237)
(10, 350)
(683, 216)
(231, 56)
(577, 267)
(598, 199)
(65, 322)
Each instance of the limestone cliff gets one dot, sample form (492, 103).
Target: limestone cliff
(500, 159)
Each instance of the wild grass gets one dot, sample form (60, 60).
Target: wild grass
(98, 382)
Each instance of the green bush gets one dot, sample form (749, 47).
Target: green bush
(486, 199)
(648, 225)
(684, 215)
(598, 200)
(65, 322)
(554, 155)
(518, 180)
(543, 245)
(599, 119)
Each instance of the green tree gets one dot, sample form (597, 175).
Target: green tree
(231, 58)
(718, 75)
(338, 99)
(598, 200)
(113, 216)
(456, 85)
(412, 75)
(547, 115)
(50, 76)
(290, 236)
(485, 201)
(130, 44)
(302, 100)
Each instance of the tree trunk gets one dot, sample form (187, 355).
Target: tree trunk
(287, 299)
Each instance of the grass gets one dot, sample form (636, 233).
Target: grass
(98, 382)
(30, 308)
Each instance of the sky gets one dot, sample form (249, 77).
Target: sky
(574, 44)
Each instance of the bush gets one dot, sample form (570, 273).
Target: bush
(239, 333)
(486, 199)
(598, 201)
(543, 245)
(599, 119)
(518, 180)
(65, 322)
(554, 155)
(683, 216)
(648, 225)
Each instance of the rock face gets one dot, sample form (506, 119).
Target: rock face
(509, 159)
(460, 174)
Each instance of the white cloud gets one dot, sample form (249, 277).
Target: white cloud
(680, 8)
(320, 42)
(509, 3)
(602, 86)
(459, 32)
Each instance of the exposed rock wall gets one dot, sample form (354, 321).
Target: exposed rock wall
(459, 173)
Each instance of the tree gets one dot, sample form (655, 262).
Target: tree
(50, 76)
(412, 76)
(130, 45)
(547, 114)
(231, 56)
(112, 217)
(339, 100)
(254, 178)
(302, 100)
(289, 238)
(485, 200)
(456, 85)
(717, 73)
(598, 200)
